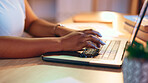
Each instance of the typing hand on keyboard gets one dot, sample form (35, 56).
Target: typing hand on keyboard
(77, 40)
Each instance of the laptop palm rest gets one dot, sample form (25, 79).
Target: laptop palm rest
(72, 57)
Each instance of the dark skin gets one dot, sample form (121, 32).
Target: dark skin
(69, 40)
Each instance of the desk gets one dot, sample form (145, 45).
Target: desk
(34, 70)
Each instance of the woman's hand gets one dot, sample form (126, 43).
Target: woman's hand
(62, 31)
(91, 32)
(79, 39)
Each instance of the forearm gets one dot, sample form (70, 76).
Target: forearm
(14, 47)
(42, 28)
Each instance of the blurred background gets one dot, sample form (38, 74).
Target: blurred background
(59, 10)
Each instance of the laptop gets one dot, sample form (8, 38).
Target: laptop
(109, 55)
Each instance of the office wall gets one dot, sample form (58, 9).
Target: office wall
(122, 6)
(68, 8)
(44, 8)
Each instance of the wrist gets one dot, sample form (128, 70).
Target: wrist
(57, 29)
(51, 44)
(62, 30)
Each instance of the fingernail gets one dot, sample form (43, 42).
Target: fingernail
(103, 43)
(100, 35)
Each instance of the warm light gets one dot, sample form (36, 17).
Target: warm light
(107, 16)
(110, 17)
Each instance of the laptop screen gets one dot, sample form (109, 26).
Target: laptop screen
(139, 20)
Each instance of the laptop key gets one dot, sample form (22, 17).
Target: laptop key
(114, 51)
(108, 51)
(103, 49)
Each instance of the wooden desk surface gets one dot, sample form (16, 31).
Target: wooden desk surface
(34, 70)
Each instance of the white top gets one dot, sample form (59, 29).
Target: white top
(12, 17)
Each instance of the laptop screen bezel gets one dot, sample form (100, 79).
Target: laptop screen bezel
(138, 22)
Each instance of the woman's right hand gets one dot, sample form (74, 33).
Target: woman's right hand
(77, 40)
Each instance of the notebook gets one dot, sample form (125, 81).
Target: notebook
(110, 55)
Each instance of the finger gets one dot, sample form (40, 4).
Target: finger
(93, 32)
(89, 45)
(94, 39)
(97, 45)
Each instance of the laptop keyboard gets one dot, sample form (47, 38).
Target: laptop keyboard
(106, 52)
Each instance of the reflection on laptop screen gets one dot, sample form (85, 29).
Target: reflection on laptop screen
(139, 20)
